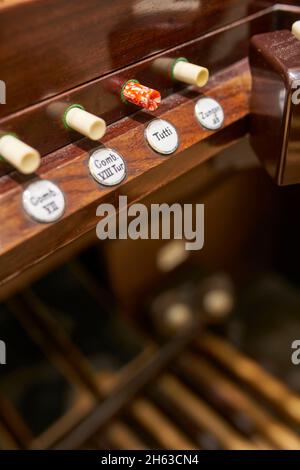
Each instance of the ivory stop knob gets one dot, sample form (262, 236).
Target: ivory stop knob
(296, 29)
(85, 123)
(20, 155)
(189, 73)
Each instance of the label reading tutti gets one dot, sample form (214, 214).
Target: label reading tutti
(44, 201)
(162, 136)
(107, 167)
(209, 113)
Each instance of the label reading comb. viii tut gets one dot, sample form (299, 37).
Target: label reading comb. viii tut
(107, 167)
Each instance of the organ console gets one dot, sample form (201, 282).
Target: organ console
(182, 70)
(140, 95)
(164, 102)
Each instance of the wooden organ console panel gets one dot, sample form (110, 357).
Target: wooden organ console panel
(158, 101)
(64, 84)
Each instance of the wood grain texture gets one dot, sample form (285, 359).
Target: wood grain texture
(25, 242)
(49, 47)
(41, 125)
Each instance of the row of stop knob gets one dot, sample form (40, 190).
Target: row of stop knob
(27, 159)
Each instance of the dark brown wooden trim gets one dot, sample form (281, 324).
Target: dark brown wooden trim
(49, 47)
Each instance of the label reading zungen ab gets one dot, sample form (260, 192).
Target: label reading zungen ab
(44, 201)
(209, 113)
(107, 167)
(162, 136)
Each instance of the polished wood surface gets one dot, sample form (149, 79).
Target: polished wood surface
(25, 242)
(41, 126)
(50, 47)
(265, 384)
(39, 123)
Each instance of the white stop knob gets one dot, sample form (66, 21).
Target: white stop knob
(85, 123)
(20, 155)
(191, 74)
(296, 29)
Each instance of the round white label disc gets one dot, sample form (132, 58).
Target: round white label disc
(209, 113)
(107, 167)
(162, 136)
(44, 201)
